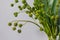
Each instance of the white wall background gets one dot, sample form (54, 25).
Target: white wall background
(29, 31)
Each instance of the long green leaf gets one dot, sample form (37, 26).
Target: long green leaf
(53, 5)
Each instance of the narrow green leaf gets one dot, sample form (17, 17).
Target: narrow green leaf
(53, 6)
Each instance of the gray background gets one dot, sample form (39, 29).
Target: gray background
(29, 31)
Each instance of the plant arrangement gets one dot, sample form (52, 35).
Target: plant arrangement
(45, 12)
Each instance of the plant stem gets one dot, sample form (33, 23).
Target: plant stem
(26, 21)
(51, 38)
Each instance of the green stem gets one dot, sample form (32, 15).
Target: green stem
(51, 38)
(26, 21)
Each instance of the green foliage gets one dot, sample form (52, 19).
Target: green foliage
(45, 13)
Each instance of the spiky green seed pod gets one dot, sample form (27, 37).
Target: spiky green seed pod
(30, 15)
(12, 5)
(24, 6)
(27, 12)
(23, 1)
(15, 14)
(16, 1)
(9, 24)
(13, 28)
(28, 7)
(19, 30)
(15, 24)
(20, 8)
(38, 11)
(20, 25)
(37, 14)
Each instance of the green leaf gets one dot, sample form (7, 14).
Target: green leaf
(53, 6)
